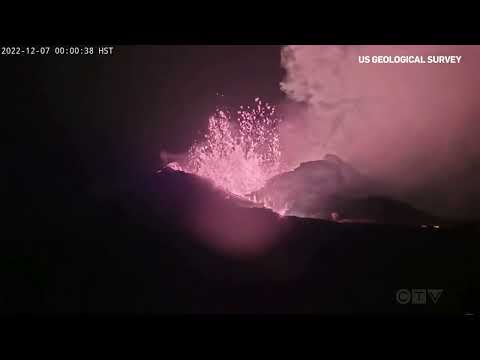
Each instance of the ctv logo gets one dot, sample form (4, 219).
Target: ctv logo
(418, 296)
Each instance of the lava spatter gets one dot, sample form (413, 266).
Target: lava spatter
(239, 151)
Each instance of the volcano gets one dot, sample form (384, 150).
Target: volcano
(328, 189)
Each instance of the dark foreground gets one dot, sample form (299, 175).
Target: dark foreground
(146, 250)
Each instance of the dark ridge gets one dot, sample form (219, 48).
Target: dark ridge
(135, 252)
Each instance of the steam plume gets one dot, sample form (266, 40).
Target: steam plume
(414, 126)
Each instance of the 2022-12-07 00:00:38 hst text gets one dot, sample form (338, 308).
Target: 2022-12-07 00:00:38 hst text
(56, 50)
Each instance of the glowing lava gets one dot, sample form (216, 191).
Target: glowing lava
(240, 152)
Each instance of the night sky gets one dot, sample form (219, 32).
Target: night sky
(96, 121)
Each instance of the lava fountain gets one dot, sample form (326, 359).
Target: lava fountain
(240, 151)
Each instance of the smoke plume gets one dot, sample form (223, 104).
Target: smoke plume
(416, 127)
